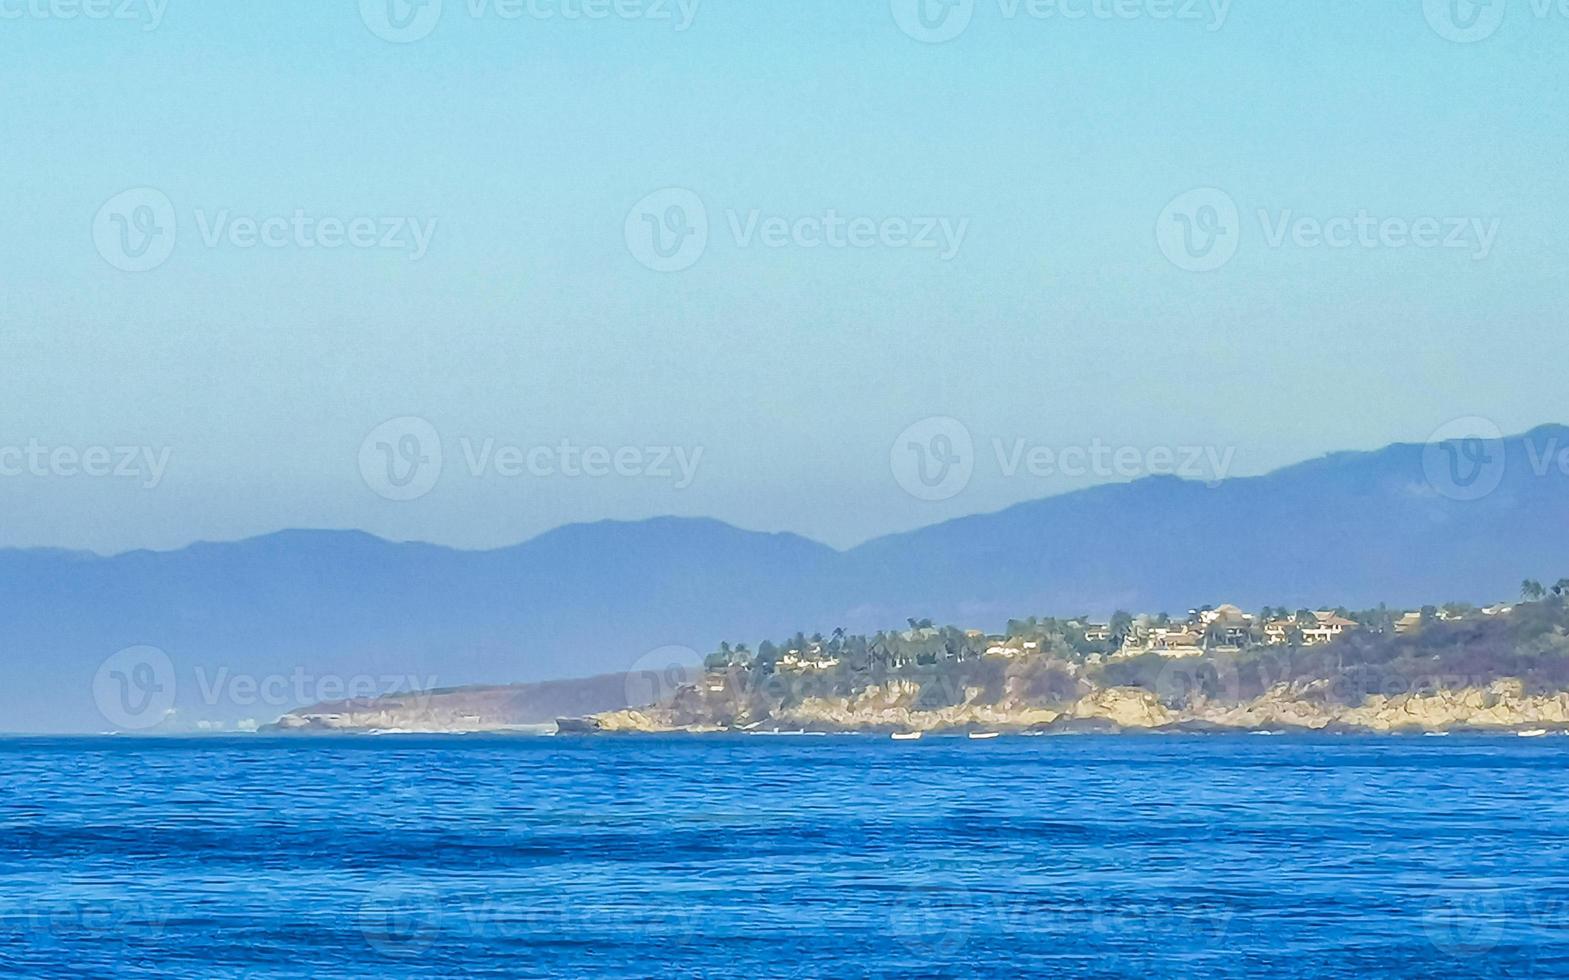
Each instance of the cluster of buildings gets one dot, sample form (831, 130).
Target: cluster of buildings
(1223, 628)
(814, 657)
(1228, 628)
(1016, 646)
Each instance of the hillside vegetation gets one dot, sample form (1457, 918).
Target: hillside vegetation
(1456, 667)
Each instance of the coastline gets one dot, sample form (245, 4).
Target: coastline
(1502, 669)
(1502, 708)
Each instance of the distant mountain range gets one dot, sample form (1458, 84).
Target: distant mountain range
(254, 628)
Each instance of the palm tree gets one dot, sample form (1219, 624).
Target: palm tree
(1121, 626)
(1532, 591)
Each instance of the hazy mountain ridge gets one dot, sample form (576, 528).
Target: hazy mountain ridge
(1347, 529)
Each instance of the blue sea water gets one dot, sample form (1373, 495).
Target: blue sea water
(785, 857)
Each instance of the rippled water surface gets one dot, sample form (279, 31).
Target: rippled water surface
(784, 857)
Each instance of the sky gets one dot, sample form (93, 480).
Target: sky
(466, 271)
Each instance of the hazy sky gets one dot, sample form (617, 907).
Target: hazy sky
(997, 229)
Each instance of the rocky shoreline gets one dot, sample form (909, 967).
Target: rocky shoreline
(1501, 707)
(1502, 669)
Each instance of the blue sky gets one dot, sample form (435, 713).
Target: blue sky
(784, 376)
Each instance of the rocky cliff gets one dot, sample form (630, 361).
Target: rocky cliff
(895, 707)
(1483, 671)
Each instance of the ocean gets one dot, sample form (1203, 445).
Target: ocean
(1094, 856)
